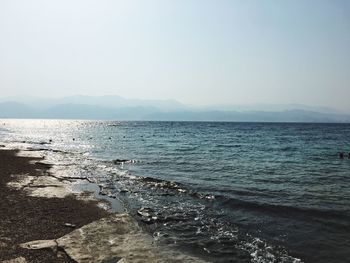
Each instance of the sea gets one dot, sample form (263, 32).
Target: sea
(221, 191)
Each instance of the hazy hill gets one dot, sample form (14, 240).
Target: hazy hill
(11, 109)
(117, 108)
(100, 101)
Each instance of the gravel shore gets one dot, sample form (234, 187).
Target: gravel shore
(24, 218)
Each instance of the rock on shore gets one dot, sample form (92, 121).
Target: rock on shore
(117, 238)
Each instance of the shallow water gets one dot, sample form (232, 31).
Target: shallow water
(227, 192)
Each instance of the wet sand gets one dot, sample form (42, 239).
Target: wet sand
(25, 218)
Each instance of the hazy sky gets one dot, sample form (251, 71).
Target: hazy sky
(195, 51)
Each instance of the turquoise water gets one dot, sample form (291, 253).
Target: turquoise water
(227, 192)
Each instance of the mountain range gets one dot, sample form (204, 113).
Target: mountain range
(118, 108)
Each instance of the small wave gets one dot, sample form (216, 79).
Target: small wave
(282, 210)
(32, 149)
(123, 161)
(261, 252)
(175, 186)
(228, 146)
(35, 142)
(288, 149)
(187, 149)
(163, 184)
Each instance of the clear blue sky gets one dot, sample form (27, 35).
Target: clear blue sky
(198, 52)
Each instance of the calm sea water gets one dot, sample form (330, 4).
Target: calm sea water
(227, 192)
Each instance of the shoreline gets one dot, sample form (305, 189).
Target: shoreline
(44, 220)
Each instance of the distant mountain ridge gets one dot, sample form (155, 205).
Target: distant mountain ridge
(112, 101)
(118, 108)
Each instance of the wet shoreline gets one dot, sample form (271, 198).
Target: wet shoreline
(44, 220)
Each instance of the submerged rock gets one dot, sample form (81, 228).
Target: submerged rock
(148, 215)
(40, 244)
(122, 161)
(145, 211)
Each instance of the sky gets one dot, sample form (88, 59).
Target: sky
(199, 52)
